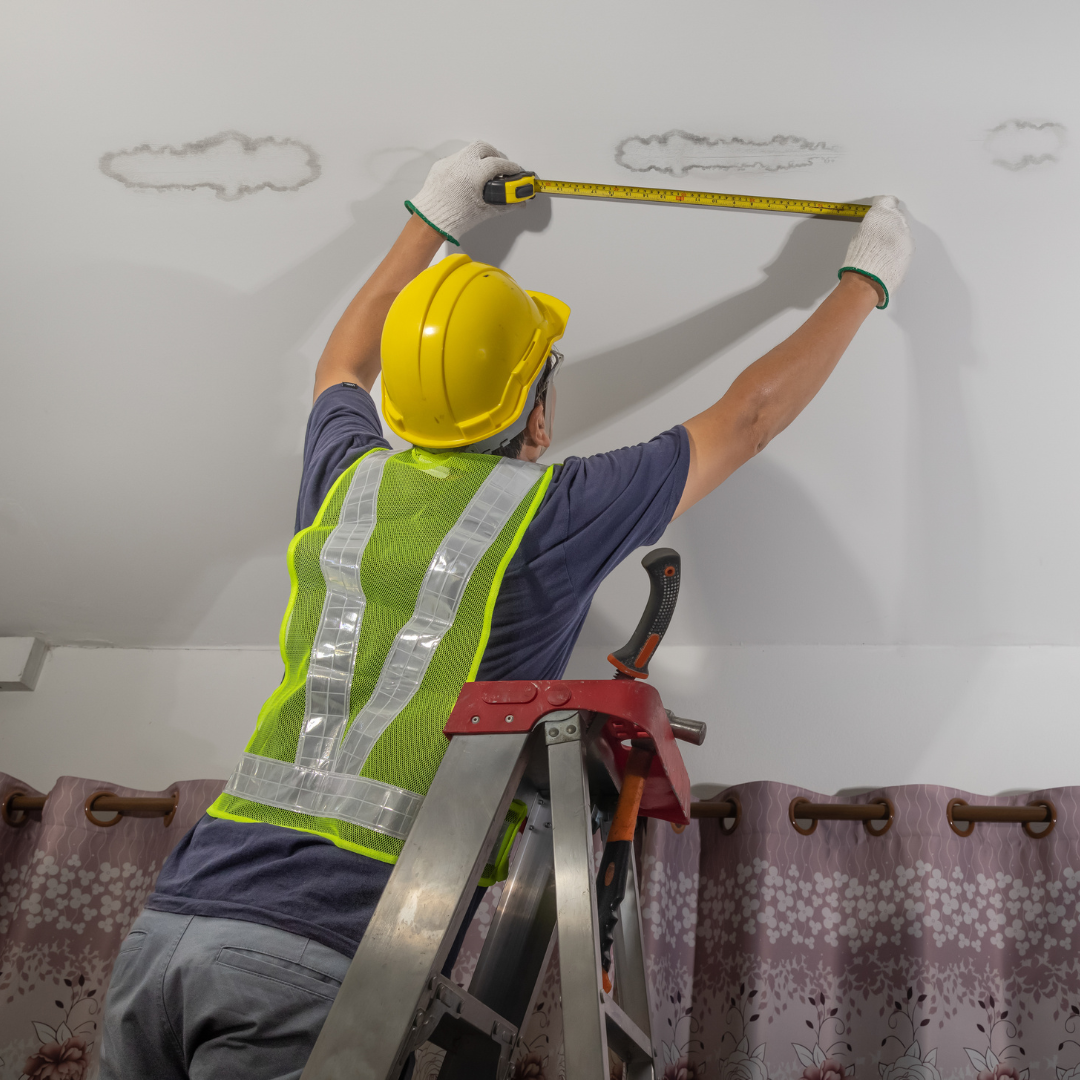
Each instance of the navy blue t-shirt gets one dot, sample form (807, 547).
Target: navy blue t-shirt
(596, 511)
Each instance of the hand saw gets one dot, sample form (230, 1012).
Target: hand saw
(519, 187)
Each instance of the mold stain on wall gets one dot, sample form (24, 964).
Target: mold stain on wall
(231, 164)
(1022, 144)
(677, 152)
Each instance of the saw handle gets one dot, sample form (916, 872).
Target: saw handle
(664, 568)
(515, 188)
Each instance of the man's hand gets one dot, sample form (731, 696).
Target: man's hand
(882, 248)
(452, 198)
(450, 203)
(772, 391)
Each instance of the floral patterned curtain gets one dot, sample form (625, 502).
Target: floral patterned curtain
(69, 892)
(915, 955)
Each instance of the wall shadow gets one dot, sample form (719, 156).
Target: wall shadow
(761, 565)
(765, 564)
(594, 390)
(492, 240)
(767, 568)
(945, 549)
(176, 422)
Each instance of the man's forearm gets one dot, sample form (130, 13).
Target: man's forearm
(775, 389)
(352, 353)
(772, 391)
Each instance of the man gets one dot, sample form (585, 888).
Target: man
(412, 573)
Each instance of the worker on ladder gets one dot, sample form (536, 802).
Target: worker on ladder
(412, 573)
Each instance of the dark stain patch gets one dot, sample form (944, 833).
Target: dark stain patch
(677, 152)
(1021, 144)
(231, 164)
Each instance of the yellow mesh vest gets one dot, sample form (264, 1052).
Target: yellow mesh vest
(393, 588)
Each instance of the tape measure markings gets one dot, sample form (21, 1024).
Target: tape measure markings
(853, 211)
(524, 185)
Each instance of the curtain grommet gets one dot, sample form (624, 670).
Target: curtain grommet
(1051, 811)
(88, 809)
(9, 815)
(952, 824)
(735, 801)
(869, 824)
(793, 817)
(676, 827)
(168, 819)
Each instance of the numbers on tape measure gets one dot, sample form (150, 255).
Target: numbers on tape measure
(853, 211)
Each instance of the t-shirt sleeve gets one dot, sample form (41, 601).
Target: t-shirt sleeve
(597, 510)
(344, 423)
(615, 502)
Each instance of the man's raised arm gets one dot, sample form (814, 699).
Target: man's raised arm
(772, 391)
(450, 203)
(352, 353)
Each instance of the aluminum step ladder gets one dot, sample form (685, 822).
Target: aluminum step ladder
(566, 750)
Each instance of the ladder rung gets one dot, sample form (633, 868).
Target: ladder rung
(449, 999)
(624, 1036)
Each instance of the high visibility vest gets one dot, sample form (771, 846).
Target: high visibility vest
(393, 588)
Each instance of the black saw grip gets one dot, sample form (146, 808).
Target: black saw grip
(664, 568)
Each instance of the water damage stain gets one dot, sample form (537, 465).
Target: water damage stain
(231, 164)
(678, 152)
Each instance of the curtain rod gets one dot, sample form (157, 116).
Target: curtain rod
(19, 802)
(1039, 811)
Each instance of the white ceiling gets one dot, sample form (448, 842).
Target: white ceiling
(158, 342)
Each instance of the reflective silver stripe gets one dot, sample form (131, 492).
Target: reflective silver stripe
(355, 799)
(452, 565)
(323, 783)
(333, 655)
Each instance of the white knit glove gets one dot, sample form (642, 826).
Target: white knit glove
(452, 198)
(882, 248)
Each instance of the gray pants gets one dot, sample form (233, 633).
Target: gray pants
(194, 999)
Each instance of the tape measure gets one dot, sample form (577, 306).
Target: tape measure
(506, 190)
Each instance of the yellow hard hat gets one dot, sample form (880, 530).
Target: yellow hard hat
(461, 346)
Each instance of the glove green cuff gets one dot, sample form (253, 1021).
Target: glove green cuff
(839, 274)
(442, 232)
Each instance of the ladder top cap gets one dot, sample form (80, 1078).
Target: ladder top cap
(633, 710)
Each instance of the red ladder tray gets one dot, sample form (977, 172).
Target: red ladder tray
(633, 710)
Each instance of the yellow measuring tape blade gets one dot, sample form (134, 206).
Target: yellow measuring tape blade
(853, 211)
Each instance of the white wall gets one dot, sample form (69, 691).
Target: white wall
(900, 564)
(986, 719)
(137, 717)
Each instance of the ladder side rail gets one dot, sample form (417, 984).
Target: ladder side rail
(367, 1031)
(519, 936)
(585, 1045)
(631, 980)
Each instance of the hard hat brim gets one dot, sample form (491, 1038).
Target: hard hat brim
(556, 314)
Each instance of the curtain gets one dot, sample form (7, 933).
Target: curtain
(915, 955)
(69, 891)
